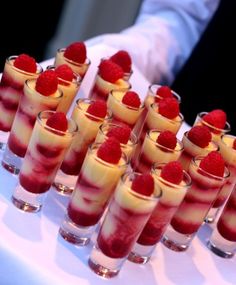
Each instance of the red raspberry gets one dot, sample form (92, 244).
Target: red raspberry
(216, 118)
(234, 144)
(110, 151)
(110, 71)
(121, 133)
(143, 184)
(76, 52)
(98, 109)
(172, 172)
(167, 139)
(131, 99)
(169, 107)
(47, 82)
(200, 136)
(163, 92)
(123, 59)
(26, 63)
(58, 121)
(64, 72)
(213, 163)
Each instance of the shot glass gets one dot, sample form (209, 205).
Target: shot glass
(127, 148)
(194, 207)
(152, 152)
(127, 214)
(31, 103)
(172, 196)
(11, 89)
(216, 132)
(229, 154)
(122, 113)
(88, 126)
(44, 155)
(95, 185)
(223, 238)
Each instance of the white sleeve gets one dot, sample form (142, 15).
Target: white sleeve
(163, 35)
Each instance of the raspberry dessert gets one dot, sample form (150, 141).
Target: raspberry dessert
(216, 121)
(17, 69)
(38, 95)
(128, 212)
(128, 140)
(109, 77)
(208, 175)
(51, 137)
(158, 147)
(125, 106)
(196, 141)
(227, 148)
(88, 115)
(103, 166)
(174, 183)
(74, 55)
(123, 59)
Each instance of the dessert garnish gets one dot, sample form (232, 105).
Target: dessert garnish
(123, 59)
(97, 109)
(213, 163)
(121, 133)
(216, 118)
(110, 71)
(167, 139)
(110, 151)
(172, 172)
(169, 107)
(164, 92)
(143, 184)
(26, 63)
(58, 121)
(47, 83)
(131, 99)
(200, 136)
(64, 72)
(76, 51)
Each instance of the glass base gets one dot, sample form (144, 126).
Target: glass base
(141, 254)
(75, 234)
(11, 162)
(103, 265)
(212, 215)
(64, 184)
(175, 240)
(27, 201)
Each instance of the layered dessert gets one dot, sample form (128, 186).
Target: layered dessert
(158, 147)
(88, 115)
(129, 210)
(109, 77)
(38, 95)
(74, 55)
(16, 71)
(51, 137)
(125, 107)
(173, 182)
(123, 59)
(216, 121)
(103, 166)
(208, 175)
(196, 141)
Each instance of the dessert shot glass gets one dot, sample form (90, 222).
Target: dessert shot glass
(194, 208)
(31, 103)
(152, 152)
(95, 185)
(228, 152)
(127, 214)
(223, 238)
(88, 126)
(11, 89)
(44, 155)
(172, 196)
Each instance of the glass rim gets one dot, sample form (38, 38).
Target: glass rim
(157, 86)
(86, 63)
(226, 129)
(12, 57)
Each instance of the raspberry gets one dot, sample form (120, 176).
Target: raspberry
(47, 82)
(167, 139)
(98, 109)
(143, 184)
(172, 172)
(213, 163)
(131, 99)
(123, 59)
(234, 144)
(121, 133)
(200, 136)
(26, 63)
(64, 72)
(164, 92)
(110, 71)
(76, 52)
(58, 121)
(110, 151)
(169, 107)
(216, 118)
